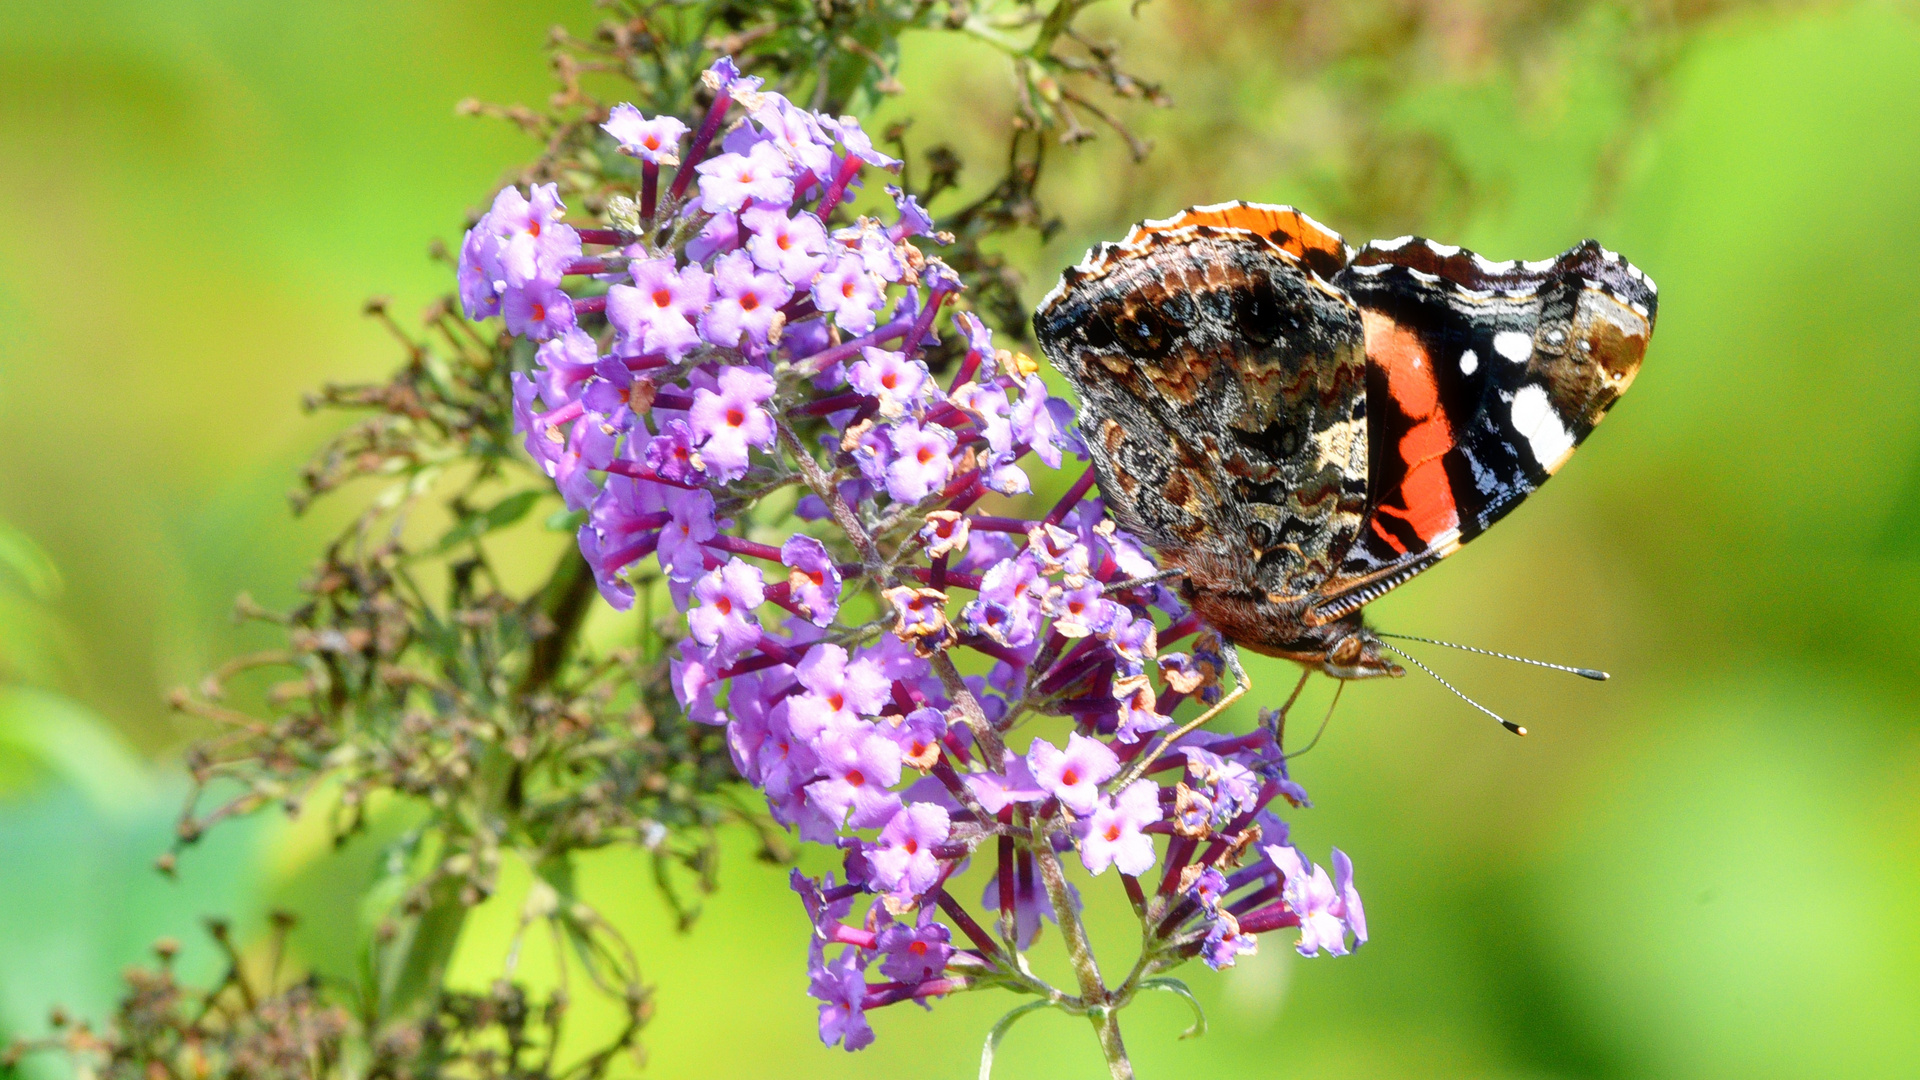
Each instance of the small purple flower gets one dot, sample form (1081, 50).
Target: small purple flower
(857, 766)
(656, 141)
(823, 913)
(745, 301)
(945, 532)
(1312, 896)
(988, 404)
(732, 420)
(479, 273)
(1350, 908)
(683, 538)
(720, 234)
(1016, 785)
(839, 691)
(847, 128)
(902, 858)
(849, 293)
(1033, 424)
(913, 220)
(797, 134)
(565, 364)
(1010, 603)
(898, 383)
(877, 251)
(724, 620)
(694, 679)
(655, 314)
(1075, 775)
(538, 312)
(918, 735)
(1224, 942)
(812, 578)
(1235, 788)
(761, 176)
(533, 245)
(841, 988)
(670, 455)
(922, 461)
(793, 247)
(921, 617)
(1138, 716)
(915, 953)
(616, 397)
(1075, 611)
(1111, 836)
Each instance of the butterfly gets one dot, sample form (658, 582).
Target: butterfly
(1299, 427)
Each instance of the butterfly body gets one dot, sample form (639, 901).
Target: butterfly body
(1299, 427)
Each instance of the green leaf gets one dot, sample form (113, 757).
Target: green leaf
(58, 737)
(498, 516)
(566, 521)
(999, 1032)
(1175, 986)
(22, 560)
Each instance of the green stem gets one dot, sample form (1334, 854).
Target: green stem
(1106, 1024)
(1093, 993)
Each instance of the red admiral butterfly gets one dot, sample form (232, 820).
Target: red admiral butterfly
(1299, 427)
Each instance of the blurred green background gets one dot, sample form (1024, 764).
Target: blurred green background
(1709, 867)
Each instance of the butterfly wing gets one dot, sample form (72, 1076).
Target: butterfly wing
(1482, 378)
(1222, 383)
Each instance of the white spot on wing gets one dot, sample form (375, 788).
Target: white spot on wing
(1534, 418)
(1513, 345)
(1445, 251)
(1394, 244)
(1469, 362)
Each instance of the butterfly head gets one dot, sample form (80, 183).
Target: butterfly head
(1358, 655)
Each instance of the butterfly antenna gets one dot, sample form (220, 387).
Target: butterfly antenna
(1504, 722)
(1585, 673)
(1315, 741)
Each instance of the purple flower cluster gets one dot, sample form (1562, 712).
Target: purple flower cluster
(731, 340)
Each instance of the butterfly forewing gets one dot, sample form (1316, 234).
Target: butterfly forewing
(1482, 378)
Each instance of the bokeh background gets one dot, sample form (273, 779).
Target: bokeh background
(1709, 867)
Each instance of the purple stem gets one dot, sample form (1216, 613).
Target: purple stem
(1272, 917)
(637, 471)
(1074, 494)
(980, 938)
(708, 127)
(1010, 526)
(635, 551)
(649, 189)
(831, 355)
(740, 546)
(849, 168)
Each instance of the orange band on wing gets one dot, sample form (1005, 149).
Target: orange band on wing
(1424, 499)
(1286, 228)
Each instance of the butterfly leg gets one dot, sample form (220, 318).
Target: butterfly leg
(1122, 586)
(1241, 684)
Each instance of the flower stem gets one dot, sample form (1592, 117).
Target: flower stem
(1099, 1009)
(1106, 1024)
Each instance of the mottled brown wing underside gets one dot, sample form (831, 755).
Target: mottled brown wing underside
(1222, 383)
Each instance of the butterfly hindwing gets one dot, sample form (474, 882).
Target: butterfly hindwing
(1482, 378)
(1223, 402)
